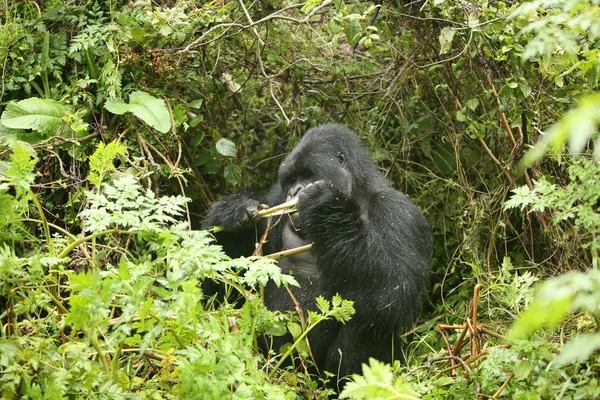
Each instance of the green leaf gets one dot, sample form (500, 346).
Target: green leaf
(353, 31)
(101, 160)
(559, 81)
(203, 157)
(310, 4)
(460, 116)
(445, 38)
(146, 107)
(522, 369)
(196, 120)
(8, 351)
(41, 115)
(19, 170)
(212, 165)
(472, 103)
(540, 313)
(197, 103)
(378, 382)
(233, 174)
(576, 128)
(226, 148)
(295, 329)
(579, 349)
(525, 89)
(197, 138)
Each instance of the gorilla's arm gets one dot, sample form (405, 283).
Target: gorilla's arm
(380, 253)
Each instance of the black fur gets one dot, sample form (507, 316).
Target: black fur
(372, 245)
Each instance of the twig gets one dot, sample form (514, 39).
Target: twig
(472, 327)
(300, 312)
(275, 15)
(249, 18)
(416, 328)
(451, 58)
(502, 114)
(290, 252)
(450, 352)
(501, 388)
(283, 208)
(263, 239)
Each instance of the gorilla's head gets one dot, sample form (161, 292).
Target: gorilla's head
(330, 153)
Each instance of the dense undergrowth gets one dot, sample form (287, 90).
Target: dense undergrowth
(122, 121)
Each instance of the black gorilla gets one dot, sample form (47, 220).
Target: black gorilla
(371, 245)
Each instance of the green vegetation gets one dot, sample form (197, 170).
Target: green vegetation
(123, 120)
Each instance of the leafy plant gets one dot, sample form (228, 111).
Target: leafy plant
(577, 128)
(577, 202)
(48, 117)
(131, 295)
(377, 381)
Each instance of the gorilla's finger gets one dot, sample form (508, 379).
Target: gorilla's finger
(253, 214)
(248, 218)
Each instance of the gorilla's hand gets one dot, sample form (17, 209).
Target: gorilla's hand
(318, 201)
(315, 193)
(234, 213)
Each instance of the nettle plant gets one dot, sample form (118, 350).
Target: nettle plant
(115, 306)
(569, 301)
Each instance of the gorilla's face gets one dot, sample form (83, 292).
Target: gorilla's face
(312, 161)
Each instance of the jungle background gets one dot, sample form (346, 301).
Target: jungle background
(123, 120)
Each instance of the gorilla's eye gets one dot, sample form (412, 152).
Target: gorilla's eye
(341, 158)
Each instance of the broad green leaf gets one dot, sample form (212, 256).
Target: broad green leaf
(233, 174)
(445, 38)
(522, 369)
(146, 107)
(443, 381)
(226, 148)
(472, 103)
(8, 351)
(295, 329)
(353, 31)
(212, 165)
(41, 115)
(197, 138)
(203, 157)
(559, 81)
(197, 103)
(196, 120)
(525, 89)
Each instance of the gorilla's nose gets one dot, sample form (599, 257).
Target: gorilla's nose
(294, 191)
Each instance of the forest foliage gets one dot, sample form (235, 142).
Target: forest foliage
(121, 121)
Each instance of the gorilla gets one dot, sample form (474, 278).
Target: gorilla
(371, 244)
